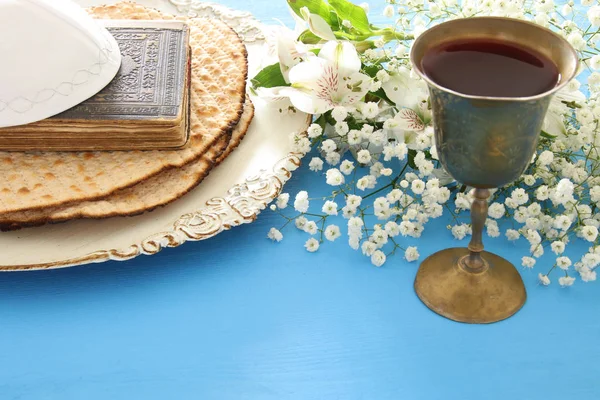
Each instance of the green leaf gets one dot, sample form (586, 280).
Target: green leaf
(547, 135)
(307, 37)
(318, 7)
(381, 94)
(353, 13)
(411, 158)
(269, 77)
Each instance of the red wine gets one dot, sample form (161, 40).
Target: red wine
(485, 67)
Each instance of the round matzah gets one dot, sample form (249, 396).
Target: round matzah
(219, 69)
(156, 191)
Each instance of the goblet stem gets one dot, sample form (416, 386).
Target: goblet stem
(479, 211)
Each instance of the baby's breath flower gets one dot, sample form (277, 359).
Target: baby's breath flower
(496, 210)
(528, 262)
(333, 158)
(512, 234)
(565, 281)
(368, 248)
(363, 156)
(301, 222)
(330, 208)
(315, 164)
(334, 177)
(346, 167)
(543, 279)
(563, 262)
(341, 128)
(275, 235)
(589, 233)
(378, 258)
(328, 146)
(332, 232)
(311, 245)
(282, 200)
(301, 201)
(388, 11)
(314, 130)
(411, 254)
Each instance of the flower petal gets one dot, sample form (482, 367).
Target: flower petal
(320, 27)
(343, 54)
(306, 101)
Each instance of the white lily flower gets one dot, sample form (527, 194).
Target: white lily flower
(404, 91)
(329, 80)
(290, 52)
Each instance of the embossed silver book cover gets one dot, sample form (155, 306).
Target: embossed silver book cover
(150, 82)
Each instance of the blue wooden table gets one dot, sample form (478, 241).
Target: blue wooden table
(239, 317)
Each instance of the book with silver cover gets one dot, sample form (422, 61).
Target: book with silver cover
(144, 107)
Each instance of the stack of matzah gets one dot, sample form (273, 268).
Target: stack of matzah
(37, 188)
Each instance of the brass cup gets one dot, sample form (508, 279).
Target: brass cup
(484, 142)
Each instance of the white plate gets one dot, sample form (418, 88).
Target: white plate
(233, 194)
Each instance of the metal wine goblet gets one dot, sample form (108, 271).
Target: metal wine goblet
(483, 142)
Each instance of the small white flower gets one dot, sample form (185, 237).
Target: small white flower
(355, 225)
(576, 40)
(339, 113)
(354, 137)
(379, 237)
(310, 227)
(353, 201)
(545, 158)
(312, 245)
(595, 62)
(565, 281)
(544, 280)
(532, 223)
(315, 164)
(334, 177)
(512, 234)
(332, 232)
(593, 15)
(348, 212)
(362, 183)
(563, 262)
(404, 184)
(354, 242)
(368, 248)
(496, 210)
(562, 222)
(347, 24)
(282, 200)
(417, 186)
(363, 156)
(542, 193)
(519, 196)
(557, 247)
(459, 231)
(528, 262)
(333, 158)
(328, 146)
(529, 180)
(589, 233)
(314, 130)
(392, 229)
(369, 110)
(346, 167)
(388, 11)
(492, 229)
(411, 254)
(330, 208)
(382, 75)
(275, 235)
(301, 222)
(378, 258)
(301, 202)
(341, 128)
(587, 275)
(272, 207)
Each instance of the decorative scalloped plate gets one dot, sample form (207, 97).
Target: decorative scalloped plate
(233, 194)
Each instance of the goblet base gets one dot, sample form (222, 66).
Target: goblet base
(452, 291)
